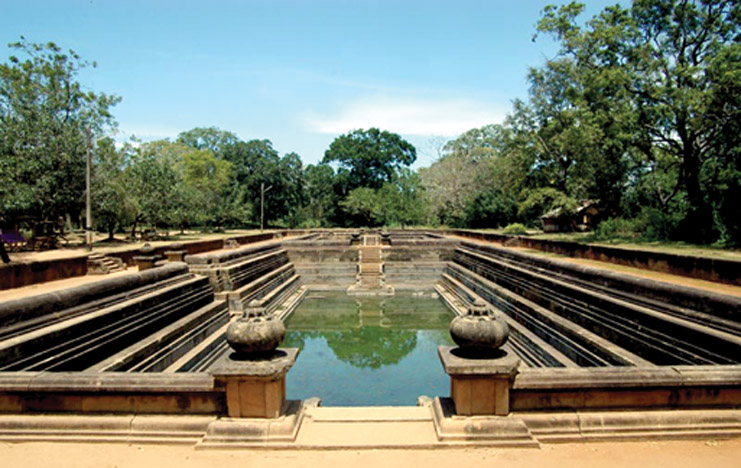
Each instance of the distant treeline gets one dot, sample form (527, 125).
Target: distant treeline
(639, 113)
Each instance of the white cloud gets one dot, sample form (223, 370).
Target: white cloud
(145, 132)
(410, 116)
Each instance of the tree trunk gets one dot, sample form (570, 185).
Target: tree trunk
(697, 226)
(3, 253)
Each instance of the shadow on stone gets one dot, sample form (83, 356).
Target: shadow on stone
(478, 353)
(258, 357)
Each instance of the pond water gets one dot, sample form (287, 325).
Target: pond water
(368, 351)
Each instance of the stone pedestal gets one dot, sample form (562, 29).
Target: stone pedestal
(479, 386)
(255, 388)
(145, 262)
(176, 253)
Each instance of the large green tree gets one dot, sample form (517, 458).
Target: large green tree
(47, 121)
(660, 59)
(368, 158)
(113, 205)
(463, 172)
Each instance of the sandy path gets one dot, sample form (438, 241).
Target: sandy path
(677, 454)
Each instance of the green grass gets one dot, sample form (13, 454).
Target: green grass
(679, 248)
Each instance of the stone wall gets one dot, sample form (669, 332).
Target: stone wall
(19, 274)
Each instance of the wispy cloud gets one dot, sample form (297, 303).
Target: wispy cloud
(146, 132)
(410, 116)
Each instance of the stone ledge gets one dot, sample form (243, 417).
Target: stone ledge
(108, 428)
(501, 431)
(505, 366)
(526, 429)
(256, 432)
(276, 366)
(105, 382)
(628, 377)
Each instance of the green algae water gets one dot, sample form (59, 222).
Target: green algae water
(368, 351)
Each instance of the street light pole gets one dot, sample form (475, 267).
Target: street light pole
(262, 204)
(88, 211)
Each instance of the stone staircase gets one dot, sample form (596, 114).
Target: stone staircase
(371, 279)
(98, 264)
(138, 322)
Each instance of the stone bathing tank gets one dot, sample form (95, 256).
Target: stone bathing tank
(587, 340)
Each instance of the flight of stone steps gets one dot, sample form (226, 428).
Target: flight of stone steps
(98, 264)
(370, 278)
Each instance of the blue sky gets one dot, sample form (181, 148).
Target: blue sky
(299, 73)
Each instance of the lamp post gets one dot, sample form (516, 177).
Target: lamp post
(263, 190)
(88, 210)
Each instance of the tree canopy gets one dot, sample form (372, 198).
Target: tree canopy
(639, 113)
(368, 158)
(47, 122)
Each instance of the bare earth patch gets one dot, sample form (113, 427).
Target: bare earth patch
(675, 454)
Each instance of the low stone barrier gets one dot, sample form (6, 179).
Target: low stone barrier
(18, 274)
(627, 388)
(706, 268)
(110, 393)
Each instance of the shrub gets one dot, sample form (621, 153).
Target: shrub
(515, 229)
(616, 228)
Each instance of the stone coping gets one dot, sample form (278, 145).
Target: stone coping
(222, 256)
(47, 303)
(276, 366)
(527, 379)
(105, 382)
(503, 366)
(627, 377)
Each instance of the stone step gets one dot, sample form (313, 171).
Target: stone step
(98, 264)
(654, 335)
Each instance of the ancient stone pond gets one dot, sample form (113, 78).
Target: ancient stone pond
(367, 314)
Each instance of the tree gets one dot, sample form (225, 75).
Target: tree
(403, 201)
(368, 158)
(463, 172)
(362, 205)
(210, 138)
(113, 204)
(155, 183)
(45, 115)
(205, 183)
(321, 200)
(289, 197)
(660, 58)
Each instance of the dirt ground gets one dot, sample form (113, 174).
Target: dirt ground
(100, 246)
(675, 454)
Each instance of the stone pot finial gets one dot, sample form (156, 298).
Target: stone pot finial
(255, 334)
(146, 249)
(481, 331)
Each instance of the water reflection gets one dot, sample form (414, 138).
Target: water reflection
(368, 331)
(366, 351)
(366, 346)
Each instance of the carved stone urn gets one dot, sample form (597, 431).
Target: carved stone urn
(481, 331)
(256, 333)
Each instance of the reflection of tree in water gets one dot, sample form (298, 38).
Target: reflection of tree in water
(371, 347)
(297, 339)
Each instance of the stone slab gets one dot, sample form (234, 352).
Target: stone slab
(255, 432)
(275, 366)
(504, 366)
(505, 431)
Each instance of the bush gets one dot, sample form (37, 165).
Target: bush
(515, 229)
(660, 225)
(616, 228)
